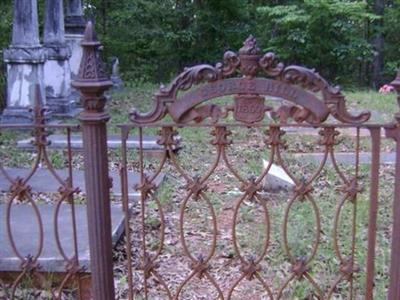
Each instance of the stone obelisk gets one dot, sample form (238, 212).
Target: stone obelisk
(74, 28)
(25, 59)
(57, 70)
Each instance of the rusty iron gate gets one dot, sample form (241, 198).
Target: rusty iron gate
(310, 103)
(187, 238)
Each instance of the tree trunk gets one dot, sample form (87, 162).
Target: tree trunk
(378, 42)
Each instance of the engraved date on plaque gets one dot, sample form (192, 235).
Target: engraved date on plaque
(249, 108)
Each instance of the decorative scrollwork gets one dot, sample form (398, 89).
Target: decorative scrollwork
(221, 135)
(308, 79)
(231, 63)
(167, 137)
(270, 65)
(20, 188)
(291, 112)
(188, 78)
(147, 187)
(313, 99)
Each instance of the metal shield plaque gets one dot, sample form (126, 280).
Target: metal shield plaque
(249, 108)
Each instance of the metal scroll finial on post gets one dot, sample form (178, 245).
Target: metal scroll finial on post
(92, 82)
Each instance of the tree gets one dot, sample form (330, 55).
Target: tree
(5, 33)
(378, 42)
(324, 34)
(391, 29)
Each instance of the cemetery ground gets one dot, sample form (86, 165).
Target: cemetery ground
(245, 154)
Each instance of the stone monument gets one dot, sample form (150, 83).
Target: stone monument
(57, 69)
(25, 60)
(74, 28)
(115, 78)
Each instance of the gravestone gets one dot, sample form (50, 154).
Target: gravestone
(276, 179)
(25, 59)
(44, 182)
(26, 235)
(60, 141)
(115, 78)
(74, 27)
(347, 158)
(57, 69)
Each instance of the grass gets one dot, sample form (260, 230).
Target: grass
(383, 106)
(245, 154)
(302, 224)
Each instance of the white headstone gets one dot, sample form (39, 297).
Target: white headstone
(276, 179)
(57, 69)
(24, 58)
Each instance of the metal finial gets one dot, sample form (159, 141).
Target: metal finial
(92, 67)
(250, 47)
(249, 56)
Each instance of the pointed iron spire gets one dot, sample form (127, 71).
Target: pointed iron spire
(92, 80)
(91, 69)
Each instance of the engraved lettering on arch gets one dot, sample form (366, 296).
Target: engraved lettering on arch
(221, 87)
(259, 86)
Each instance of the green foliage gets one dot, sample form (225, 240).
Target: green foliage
(5, 30)
(156, 39)
(324, 34)
(392, 36)
(5, 23)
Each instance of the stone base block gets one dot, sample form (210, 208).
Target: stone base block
(59, 141)
(58, 86)
(26, 235)
(74, 42)
(20, 115)
(22, 82)
(44, 182)
(62, 107)
(16, 115)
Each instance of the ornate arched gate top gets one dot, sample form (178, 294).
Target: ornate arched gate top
(249, 76)
(252, 79)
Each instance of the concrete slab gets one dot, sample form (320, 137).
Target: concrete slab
(59, 141)
(348, 158)
(276, 179)
(26, 235)
(44, 182)
(308, 131)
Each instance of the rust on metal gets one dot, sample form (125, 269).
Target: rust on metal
(92, 82)
(296, 84)
(373, 213)
(393, 132)
(21, 191)
(251, 77)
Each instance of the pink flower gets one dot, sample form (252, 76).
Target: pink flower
(386, 89)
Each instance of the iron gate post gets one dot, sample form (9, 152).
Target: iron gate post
(394, 133)
(92, 82)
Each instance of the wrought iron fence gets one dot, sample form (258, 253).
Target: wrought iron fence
(179, 261)
(190, 241)
(38, 259)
